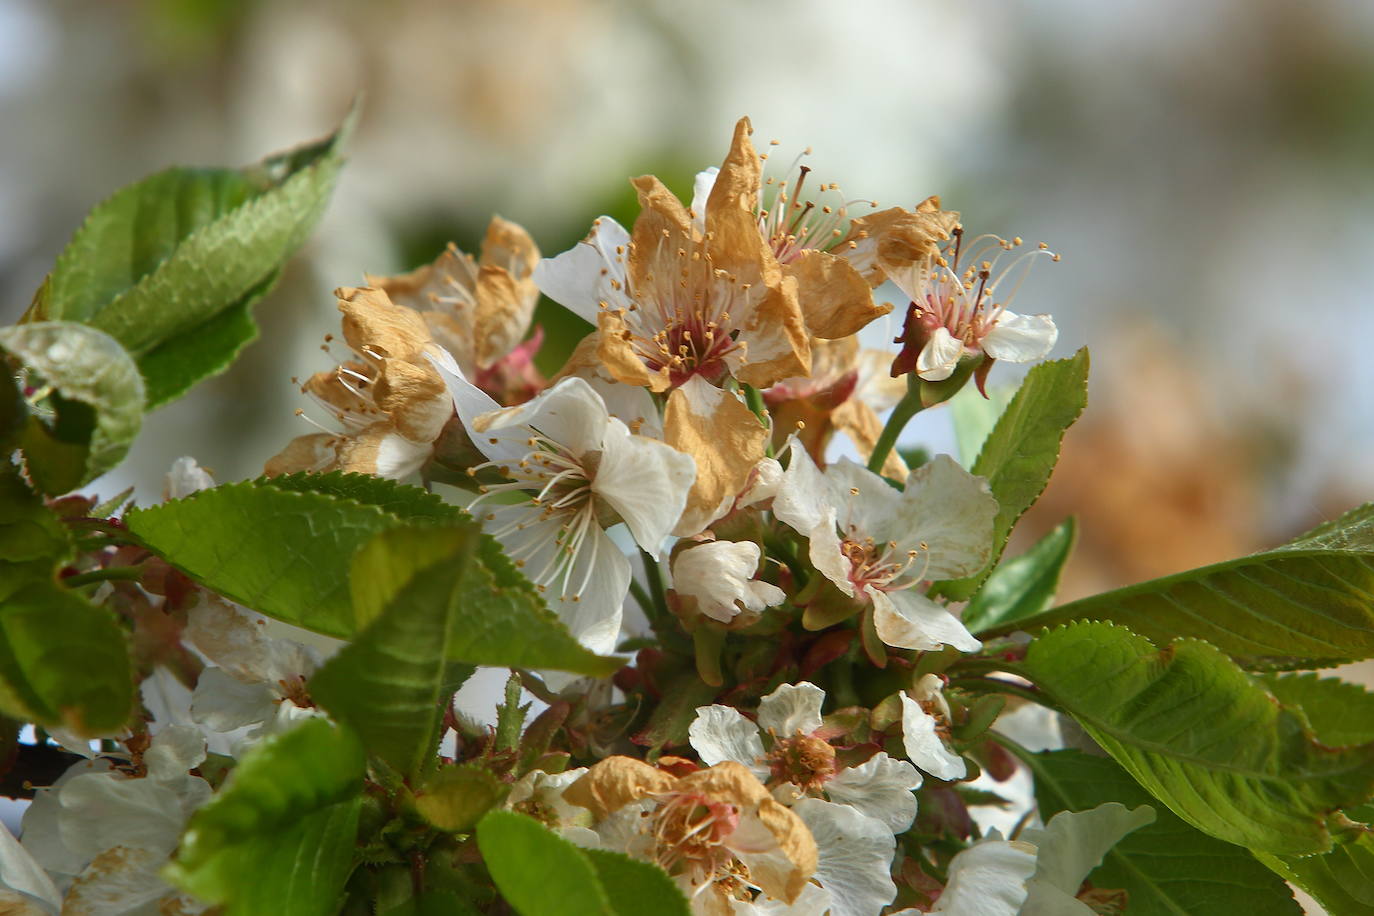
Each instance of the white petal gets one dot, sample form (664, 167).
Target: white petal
(931, 689)
(951, 512)
(987, 879)
(223, 703)
(823, 549)
(792, 709)
(1070, 846)
(101, 810)
(1021, 338)
(701, 191)
(645, 481)
(19, 872)
(924, 747)
(721, 733)
(41, 826)
(580, 278)
(867, 503)
(121, 881)
(720, 576)
(237, 640)
(814, 900)
(764, 483)
(630, 404)
(472, 402)
(803, 494)
(398, 457)
(881, 788)
(855, 855)
(908, 619)
(174, 750)
(939, 356)
(570, 413)
(185, 477)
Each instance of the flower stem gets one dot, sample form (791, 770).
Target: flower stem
(655, 578)
(125, 573)
(909, 406)
(754, 398)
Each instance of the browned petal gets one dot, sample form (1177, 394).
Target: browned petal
(858, 421)
(892, 239)
(797, 844)
(504, 309)
(451, 273)
(777, 345)
(724, 438)
(662, 230)
(616, 782)
(618, 357)
(732, 223)
(729, 782)
(382, 451)
(453, 335)
(315, 452)
(507, 245)
(329, 388)
(415, 397)
(835, 298)
(372, 322)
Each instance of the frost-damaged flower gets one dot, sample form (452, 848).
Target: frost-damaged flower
(106, 828)
(672, 302)
(576, 471)
(925, 728)
(867, 804)
(880, 546)
(257, 681)
(388, 399)
(480, 310)
(724, 438)
(846, 390)
(957, 311)
(1040, 872)
(717, 831)
(718, 577)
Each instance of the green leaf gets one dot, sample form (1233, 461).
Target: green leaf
(162, 258)
(637, 887)
(1168, 868)
(175, 365)
(414, 504)
(285, 553)
(1303, 605)
(538, 872)
(1339, 712)
(974, 416)
(1024, 586)
(279, 837)
(1201, 736)
(14, 410)
(1023, 448)
(393, 682)
(510, 716)
(1342, 880)
(456, 797)
(675, 712)
(33, 541)
(96, 404)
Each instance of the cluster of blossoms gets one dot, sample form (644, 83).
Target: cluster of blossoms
(694, 427)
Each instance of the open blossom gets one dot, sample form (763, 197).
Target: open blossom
(718, 576)
(388, 400)
(106, 828)
(480, 310)
(925, 727)
(881, 546)
(959, 310)
(671, 301)
(576, 471)
(717, 831)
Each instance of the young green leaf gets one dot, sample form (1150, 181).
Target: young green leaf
(637, 887)
(1023, 448)
(1342, 880)
(1340, 713)
(393, 682)
(1168, 868)
(33, 541)
(280, 835)
(455, 798)
(538, 872)
(157, 263)
(96, 401)
(1023, 586)
(1201, 736)
(1303, 605)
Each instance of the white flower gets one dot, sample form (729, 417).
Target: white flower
(1038, 874)
(577, 470)
(185, 477)
(879, 545)
(540, 795)
(955, 311)
(799, 761)
(104, 833)
(719, 575)
(921, 718)
(258, 682)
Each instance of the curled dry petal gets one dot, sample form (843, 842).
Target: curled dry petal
(724, 437)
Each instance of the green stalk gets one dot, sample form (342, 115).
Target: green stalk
(124, 573)
(909, 406)
(656, 591)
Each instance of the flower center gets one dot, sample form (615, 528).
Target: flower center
(689, 832)
(792, 223)
(881, 565)
(804, 760)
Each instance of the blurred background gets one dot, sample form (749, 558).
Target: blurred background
(1205, 170)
